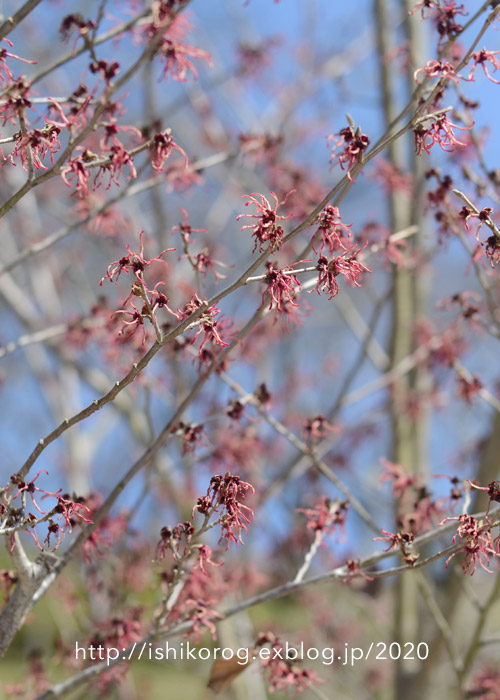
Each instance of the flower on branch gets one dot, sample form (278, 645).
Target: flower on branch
(176, 539)
(403, 540)
(402, 482)
(191, 434)
(186, 230)
(111, 130)
(493, 491)
(68, 508)
(175, 54)
(492, 249)
(75, 21)
(202, 616)
(483, 216)
(159, 300)
(76, 169)
(30, 488)
(177, 57)
(134, 262)
(281, 286)
(332, 230)
(477, 544)
(467, 388)
(136, 321)
(6, 75)
(77, 114)
(203, 262)
(37, 144)
(317, 428)
(205, 558)
(353, 570)
(163, 143)
(267, 230)
(284, 675)
(118, 157)
(210, 328)
(440, 132)
(326, 516)
(435, 69)
(16, 102)
(353, 144)
(225, 495)
(482, 58)
(346, 264)
(444, 14)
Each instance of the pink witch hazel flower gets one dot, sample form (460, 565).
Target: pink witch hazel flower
(162, 147)
(346, 264)
(441, 69)
(177, 59)
(353, 144)
(210, 329)
(267, 230)
(28, 487)
(134, 262)
(36, 145)
(6, 75)
(493, 491)
(281, 285)
(478, 546)
(403, 541)
(326, 516)
(483, 217)
(284, 675)
(224, 496)
(175, 55)
(440, 131)
(331, 229)
(66, 510)
(77, 170)
(482, 58)
(186, 229)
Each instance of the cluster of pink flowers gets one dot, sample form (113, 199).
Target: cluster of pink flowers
(441, 132)
(401, 540)
(34, 145)
(477, 543)
(66, 510)
(346, 264)
(177, 540)
(224, 496)
(482, 58)
(331, 229)
(444, 15)
(175, 54)
(136, 264)
(267, 231)
(283, 675)
(191, 434)
(326, 516)
(6, 75)
(317, 428)
(163, 143)
(467, 389)
(417, 510)
(353, 144)
(282, 286)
